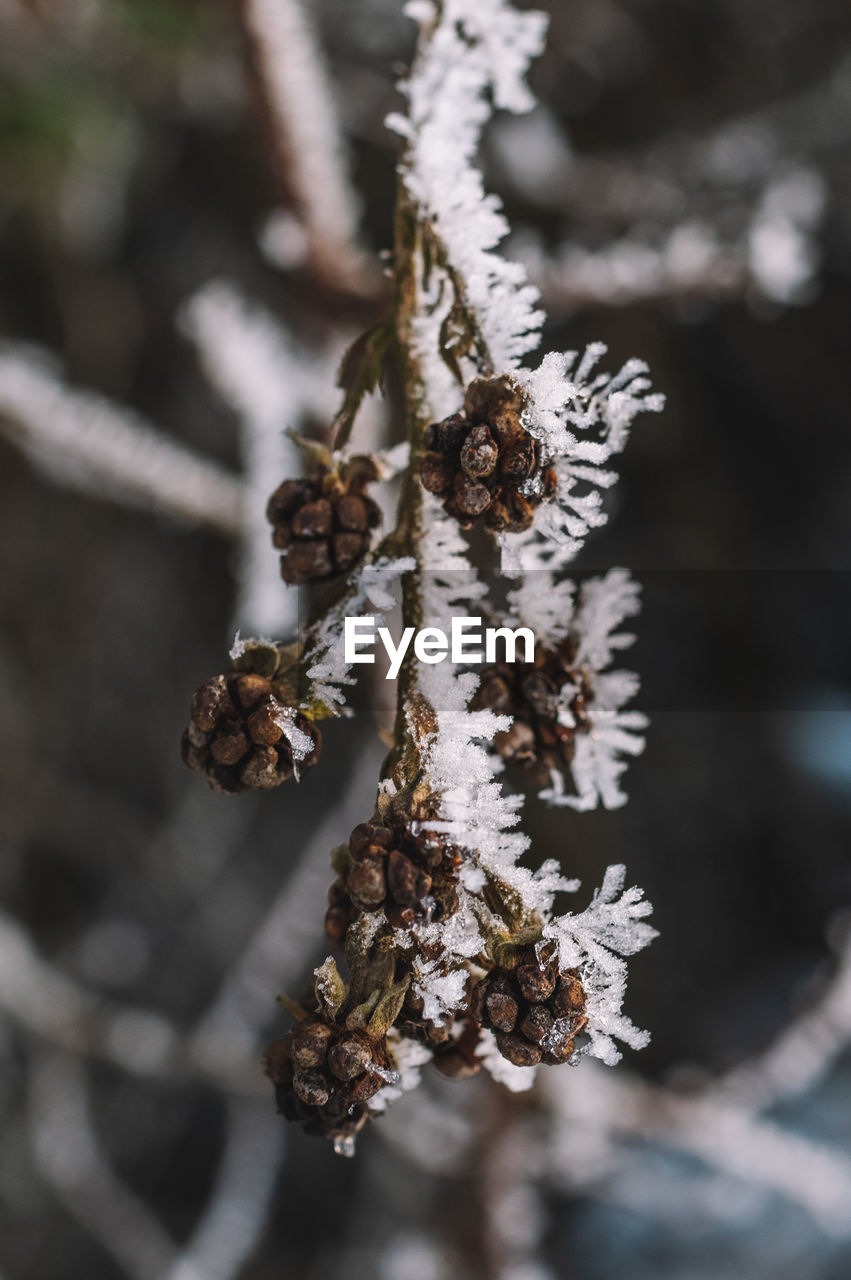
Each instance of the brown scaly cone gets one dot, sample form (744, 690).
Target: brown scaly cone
(537, 742)
(243, 731)
(324, 1075)
(411, 877)
(534, 1011)
(323, 524)
(484, 464)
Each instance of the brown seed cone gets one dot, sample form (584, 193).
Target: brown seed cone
(484, 464)
(235, 734)
(413, 877)
(324, 1075)
(323, 524)
(534, 1011)
(537, 742)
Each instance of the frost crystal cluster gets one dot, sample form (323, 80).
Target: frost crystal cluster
(458, 950)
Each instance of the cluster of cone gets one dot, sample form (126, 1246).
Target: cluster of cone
(549, 703)
(323, 524)
(329, 1067)
(324, 1074)
(412, 878)
(484, 464)
(243, 730)
(535, 1011)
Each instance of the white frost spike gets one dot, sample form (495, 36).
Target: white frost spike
(597, 767)
(440, 988)
(603, 605)
(594, 941)
(545, 605)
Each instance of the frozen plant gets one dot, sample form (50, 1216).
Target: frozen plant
(455, 951)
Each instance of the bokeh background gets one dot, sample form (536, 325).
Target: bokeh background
(683, 192)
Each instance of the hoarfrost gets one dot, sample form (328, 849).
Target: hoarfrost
(594, 941)
(409, 1056)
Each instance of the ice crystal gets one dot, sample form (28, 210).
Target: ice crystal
(409, 1056)
(595, 941)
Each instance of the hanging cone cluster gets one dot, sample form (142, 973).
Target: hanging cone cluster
(484, 464)
(411, 877)
(534, 1011)
(323, 524)
(243, 732)
(330, 1066)
(549, 701)
(325, 1074)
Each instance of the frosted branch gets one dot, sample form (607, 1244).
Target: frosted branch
(82, 441)
(69, 1157)
(235, 1214)
(310, 152)
(272, 385)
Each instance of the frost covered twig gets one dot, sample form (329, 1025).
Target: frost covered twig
(235, 1214)
(805, 1050)
(725, 1136)
(773, 256)
(56, 1009)
(80, 439)
(454, 949)
(306, 136)
(77, 1169)
(272, 385)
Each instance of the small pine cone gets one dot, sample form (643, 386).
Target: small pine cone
(324, 1075)
(323, 524)
(537, 741)
(534, 1011)
(485, 464)
(412, 877)
(242, 736)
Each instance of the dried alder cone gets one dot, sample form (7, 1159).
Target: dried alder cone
(325, 1074)
(323, 524)
(484, 463)
(534, 1011)
(549, 702)
(244, 732)
(411, 877)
